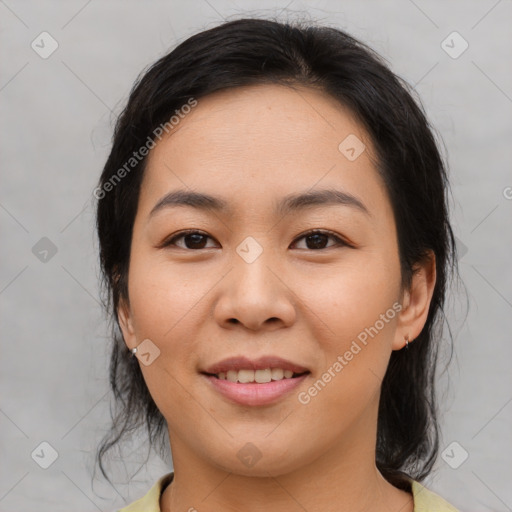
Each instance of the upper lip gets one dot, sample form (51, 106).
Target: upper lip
(261, 363)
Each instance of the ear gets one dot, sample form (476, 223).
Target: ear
(126, 323)
(416, 302)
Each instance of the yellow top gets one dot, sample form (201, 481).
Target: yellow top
(424, 500)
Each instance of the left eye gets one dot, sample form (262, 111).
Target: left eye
(315, 240)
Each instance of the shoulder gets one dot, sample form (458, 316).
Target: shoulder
(428, 501)
(150, 502)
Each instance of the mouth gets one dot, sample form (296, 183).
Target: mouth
(255, 382)
(248, 376)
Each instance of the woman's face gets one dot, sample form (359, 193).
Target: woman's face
(255, 283)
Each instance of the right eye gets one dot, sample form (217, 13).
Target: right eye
(193, 239)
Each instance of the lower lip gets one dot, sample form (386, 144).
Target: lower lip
(254, 394)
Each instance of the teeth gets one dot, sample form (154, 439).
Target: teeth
(232, 376)
(245, 376)
(262, 376)
(277, 373)
(258, 376)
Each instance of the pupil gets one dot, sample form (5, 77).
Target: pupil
(317, 240)
(196, 239)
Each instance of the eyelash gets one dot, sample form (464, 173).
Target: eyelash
(340, 242)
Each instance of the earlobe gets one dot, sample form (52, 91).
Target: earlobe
(416, 302)
(126, 324)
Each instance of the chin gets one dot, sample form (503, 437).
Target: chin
(273, 467)
(260, 458)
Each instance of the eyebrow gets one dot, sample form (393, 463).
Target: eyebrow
(288, 204)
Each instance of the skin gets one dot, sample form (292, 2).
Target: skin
(252, 146)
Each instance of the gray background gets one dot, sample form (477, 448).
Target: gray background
(57, 115)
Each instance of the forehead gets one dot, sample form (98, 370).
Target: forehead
(267, 116)
(259, 142)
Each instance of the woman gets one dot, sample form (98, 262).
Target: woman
(275, 244)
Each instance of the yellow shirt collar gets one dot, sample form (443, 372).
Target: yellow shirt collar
(424, 500)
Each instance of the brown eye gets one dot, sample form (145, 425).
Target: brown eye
(195, 240)
(317, 240)
(192, 240)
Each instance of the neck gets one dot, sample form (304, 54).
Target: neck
(340, 480)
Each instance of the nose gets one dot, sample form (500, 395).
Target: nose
(255, 295)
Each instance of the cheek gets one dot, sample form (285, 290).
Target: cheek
(351, 297)
(163, 298)
(166, 307)
(357, 310)
(357, 314)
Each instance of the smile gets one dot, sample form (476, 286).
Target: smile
(257, 376)
(254, 382)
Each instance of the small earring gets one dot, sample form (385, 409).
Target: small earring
(406, 338)
(133, 351)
